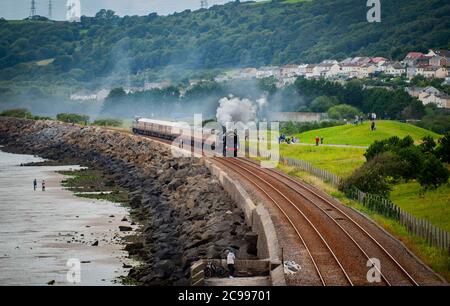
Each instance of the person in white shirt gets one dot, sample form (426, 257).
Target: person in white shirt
(230, 262)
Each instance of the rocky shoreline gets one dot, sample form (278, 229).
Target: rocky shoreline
(185, 213)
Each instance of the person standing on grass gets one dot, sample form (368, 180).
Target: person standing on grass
(35, 184)
(317, 140)
(230, 263)
(43, 185)
(321, 139)
(372, 126)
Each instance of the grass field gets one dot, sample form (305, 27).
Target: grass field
(434, 205)
(361, 135)
(338, 160)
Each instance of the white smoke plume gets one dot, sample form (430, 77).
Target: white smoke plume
(233, 109)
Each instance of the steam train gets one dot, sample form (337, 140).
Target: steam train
(203, 138)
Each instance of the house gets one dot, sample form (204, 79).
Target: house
(334, 71)
(411, 58)
(438, 61)
(416, 91)
(367, 70)
(444, 54)
(267, 72)
(395, 69)
(309, 70)
(302, 69)
(383, 66)
(320, 70)
(378, 60)
(350, 70)
(440, 99)
(289, 71)
(429, 72)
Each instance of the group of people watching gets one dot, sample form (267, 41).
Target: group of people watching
(288, 140)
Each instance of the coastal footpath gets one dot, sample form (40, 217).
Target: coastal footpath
(184, 212)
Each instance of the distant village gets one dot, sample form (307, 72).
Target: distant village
(433, 65)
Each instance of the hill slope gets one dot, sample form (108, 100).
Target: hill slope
(361, 135)
(235, 34)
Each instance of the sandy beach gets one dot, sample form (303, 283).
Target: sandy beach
(41, 231)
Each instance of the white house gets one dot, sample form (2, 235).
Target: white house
(395, 69)
(441, 100)
(334, 71)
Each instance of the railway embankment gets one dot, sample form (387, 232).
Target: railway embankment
(184, 212)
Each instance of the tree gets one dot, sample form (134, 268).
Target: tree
(343, 111)
(433, 173)
(443, 150)
(73, 118)
(322, 104)
(428, 144)
(17, 113)
(371, 177)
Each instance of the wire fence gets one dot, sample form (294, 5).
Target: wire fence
(433, 235)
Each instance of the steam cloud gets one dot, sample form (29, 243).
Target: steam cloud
(233, 109)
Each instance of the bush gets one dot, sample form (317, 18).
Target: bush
(73, 118)
(108, 122)
(17, 113)
(343, 111)
(371, 177)
(433, 173)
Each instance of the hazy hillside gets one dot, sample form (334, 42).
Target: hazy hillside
(236, 34)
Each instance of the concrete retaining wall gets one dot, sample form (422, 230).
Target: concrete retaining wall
(258, 218)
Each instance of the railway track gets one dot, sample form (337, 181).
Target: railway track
(323, 226)
(340, 249)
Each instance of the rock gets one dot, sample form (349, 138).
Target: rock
(124, 228)
(95, 243)
(52, 282)
(132, 248)
(183, 209)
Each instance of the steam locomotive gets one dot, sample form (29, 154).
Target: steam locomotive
(202, 138)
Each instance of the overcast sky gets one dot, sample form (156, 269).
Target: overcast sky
(19, 9)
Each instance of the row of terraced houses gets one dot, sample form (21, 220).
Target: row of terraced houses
(434, 64)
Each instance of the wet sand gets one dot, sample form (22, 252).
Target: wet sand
(40, 231)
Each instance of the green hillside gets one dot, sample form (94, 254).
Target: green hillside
(361, 135)
(238, 34)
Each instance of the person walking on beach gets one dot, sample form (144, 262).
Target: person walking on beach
(230, 262)
(35, 184)
(43, 185)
